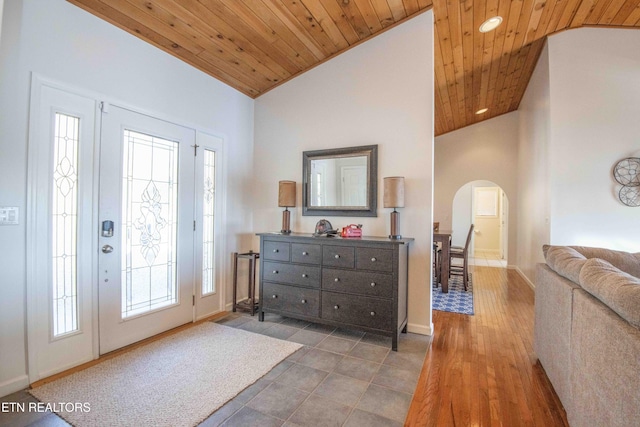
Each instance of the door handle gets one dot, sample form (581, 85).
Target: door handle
(107, 249)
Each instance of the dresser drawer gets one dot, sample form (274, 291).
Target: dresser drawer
(358, 282)
(374, 259)
(304, 275)
(276, 251)
(357, 310)
(306, 253)
(338, 256)
(291, 299)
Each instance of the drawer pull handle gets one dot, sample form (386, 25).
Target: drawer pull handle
(305, 275)
(373, 284)
(275, 251)
(337, 279)
(337, 256)
(305, 253)
(275, 271)
(304, 301)
(274, 296)
(373, 313)
(373, 259)
(335, 307)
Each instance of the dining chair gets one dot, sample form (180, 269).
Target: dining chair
(458, 252)
(437, 263)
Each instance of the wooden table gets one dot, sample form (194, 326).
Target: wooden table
(444, 237)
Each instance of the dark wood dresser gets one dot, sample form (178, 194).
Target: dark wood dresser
(356, 283)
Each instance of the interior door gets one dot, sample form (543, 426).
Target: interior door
(487, 219)
(146, 213)
(354, 179)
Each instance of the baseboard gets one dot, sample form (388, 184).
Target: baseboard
(13, 385)
(420, 329)
(525, 278)
(217, 314)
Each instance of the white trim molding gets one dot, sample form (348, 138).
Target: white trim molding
(13, 385)
(524, 277)
(415, 328)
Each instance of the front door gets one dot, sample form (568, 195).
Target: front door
(122, 242)
(146, 215)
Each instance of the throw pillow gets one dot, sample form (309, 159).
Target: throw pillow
(618, 290)
(565, 261)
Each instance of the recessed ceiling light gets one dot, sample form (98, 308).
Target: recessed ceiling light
(490, 24)
(483, 110)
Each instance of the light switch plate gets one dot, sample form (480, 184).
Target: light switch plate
(9, 215)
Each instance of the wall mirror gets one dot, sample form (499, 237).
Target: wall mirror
(340, 182)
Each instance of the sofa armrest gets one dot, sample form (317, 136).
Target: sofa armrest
(552, 328)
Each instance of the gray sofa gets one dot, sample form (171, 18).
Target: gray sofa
(587, 332)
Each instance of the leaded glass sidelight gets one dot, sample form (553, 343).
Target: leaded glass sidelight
(149, 216)
(64, 221)
(208, 203)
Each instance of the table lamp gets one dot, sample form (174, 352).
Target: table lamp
(286, 199)
(394, 198)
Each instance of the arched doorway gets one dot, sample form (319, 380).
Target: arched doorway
(485, 204)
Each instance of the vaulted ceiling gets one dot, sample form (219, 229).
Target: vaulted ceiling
(255, 45)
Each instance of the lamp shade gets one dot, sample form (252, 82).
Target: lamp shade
(394, 192)
(287, 194)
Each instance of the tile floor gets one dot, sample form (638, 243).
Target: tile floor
(339, 378)
(488, 259)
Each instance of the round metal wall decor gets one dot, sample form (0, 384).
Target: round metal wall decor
(630, 196)
(627, 173)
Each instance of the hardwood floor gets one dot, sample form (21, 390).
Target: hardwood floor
(481, 370)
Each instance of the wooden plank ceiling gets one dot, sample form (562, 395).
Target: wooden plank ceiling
(255, 45)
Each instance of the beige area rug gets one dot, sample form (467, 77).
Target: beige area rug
(177, 381)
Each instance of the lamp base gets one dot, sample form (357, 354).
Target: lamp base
(286, 221)
(395, 226)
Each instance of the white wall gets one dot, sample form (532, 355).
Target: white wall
(578, 118)
(595, 105)
(461, 214)
(484, 151)
(533, 169)
(380, 92)
(62, 42)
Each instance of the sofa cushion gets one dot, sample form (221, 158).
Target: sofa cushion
(618, 290)
(565, 261)
(625, 261)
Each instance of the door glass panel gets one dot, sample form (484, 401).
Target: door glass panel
(208, 203)
(149, 213)
(65, 224)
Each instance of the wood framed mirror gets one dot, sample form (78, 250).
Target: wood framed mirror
(340, 181)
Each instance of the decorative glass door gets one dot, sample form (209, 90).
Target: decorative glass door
(123, 228)
(208, 257)
(148, 223)
(60, 229)
(146, 273)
